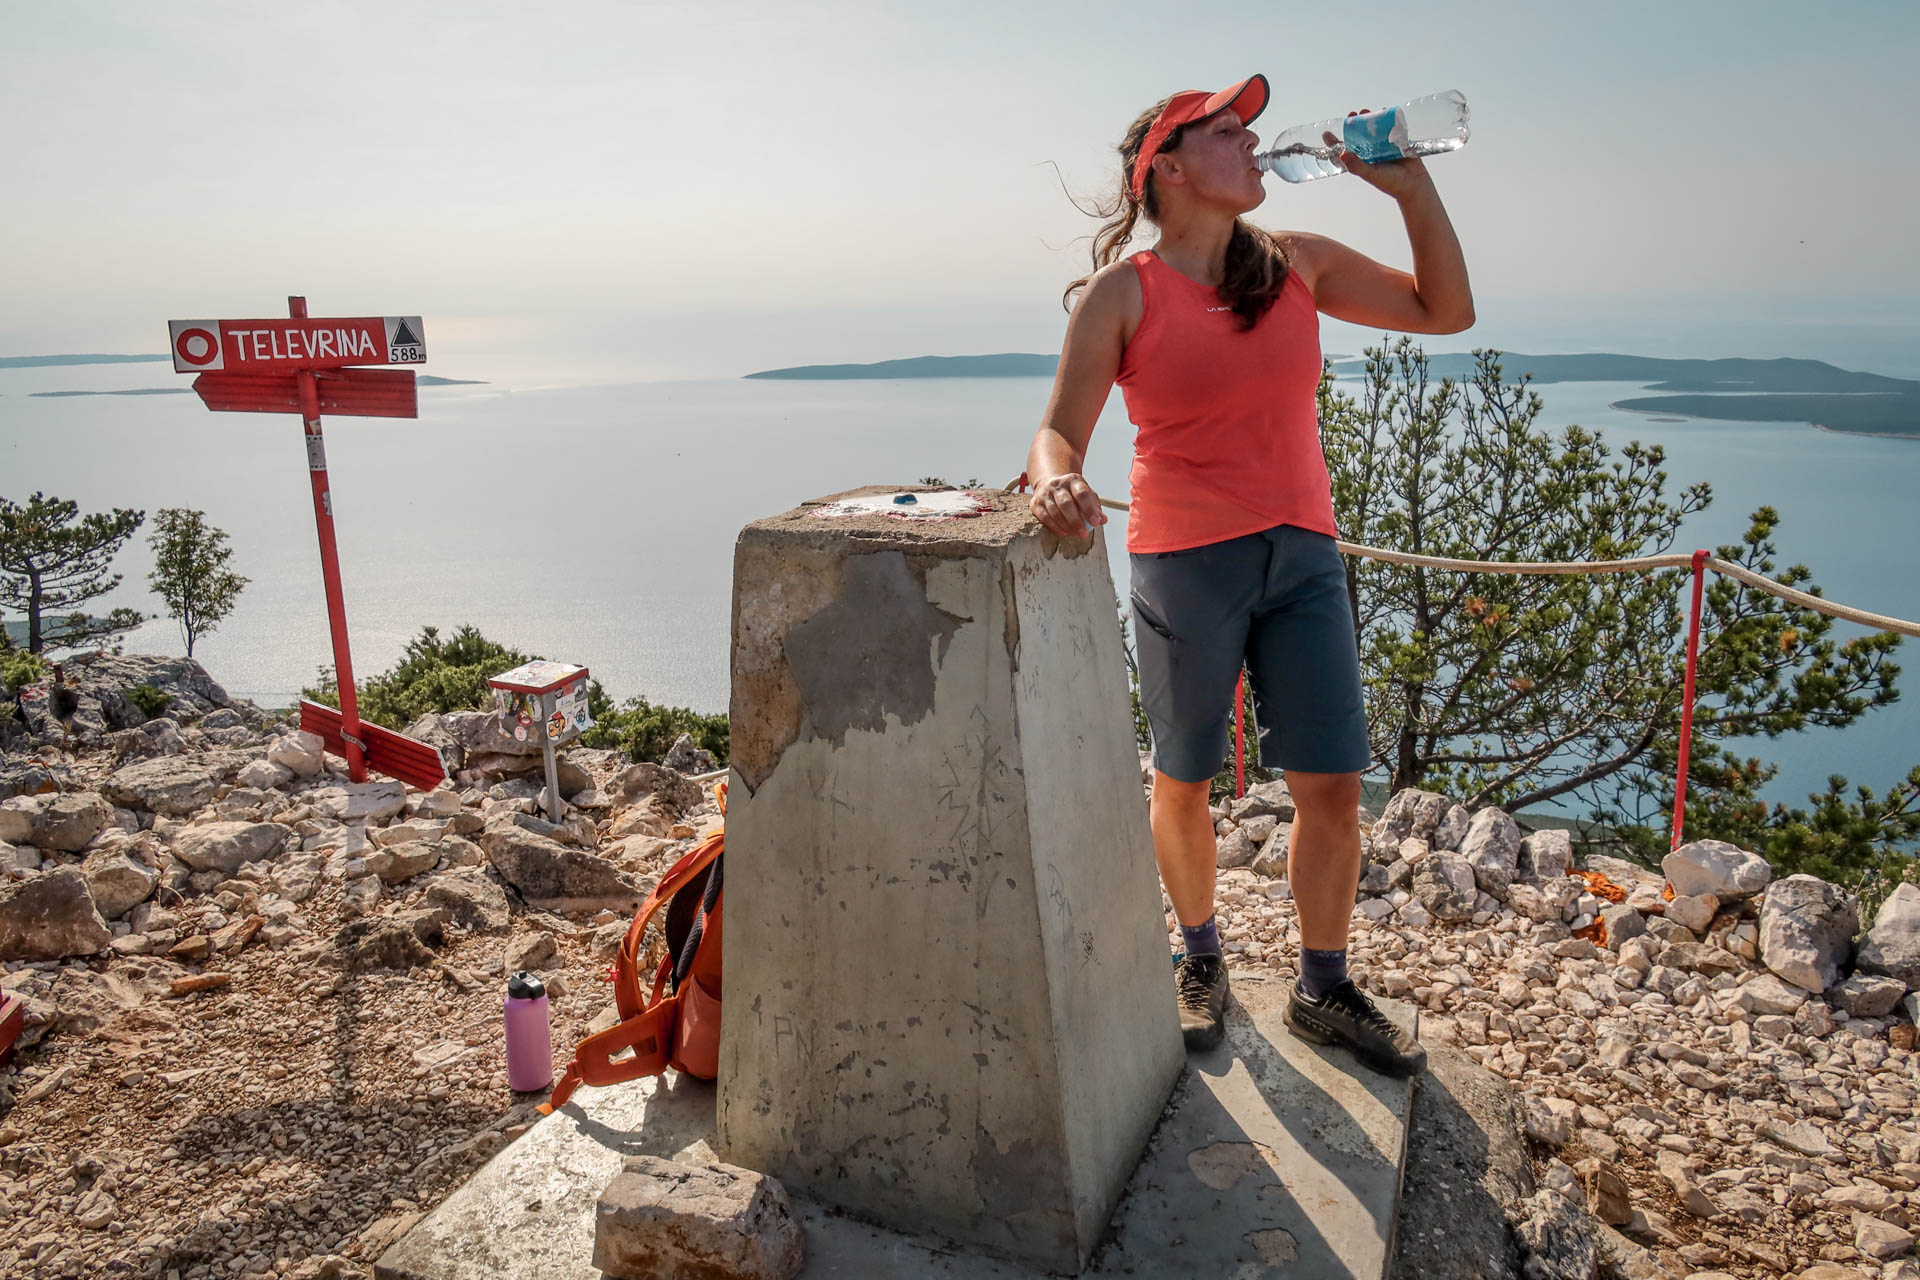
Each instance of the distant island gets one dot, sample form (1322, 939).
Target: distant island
(1783, 390)
(41, 362)
(424, 379)
(1897, 416)
(1012, 365)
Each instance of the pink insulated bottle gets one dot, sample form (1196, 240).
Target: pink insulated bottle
(529, 1034)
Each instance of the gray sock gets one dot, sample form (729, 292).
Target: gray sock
(1321, 971)
(1201, 939)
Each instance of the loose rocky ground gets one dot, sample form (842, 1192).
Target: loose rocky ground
(264, 1003)
(1726, 1119)
(288, 1044)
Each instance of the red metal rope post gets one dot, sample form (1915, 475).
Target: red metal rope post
(330, 562)
(1686, 707)
(1240, 735)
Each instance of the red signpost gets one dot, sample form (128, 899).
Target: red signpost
(302, 365)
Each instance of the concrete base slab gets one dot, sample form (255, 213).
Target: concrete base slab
(1275, 1158)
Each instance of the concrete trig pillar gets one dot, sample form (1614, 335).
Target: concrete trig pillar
(948, 1004)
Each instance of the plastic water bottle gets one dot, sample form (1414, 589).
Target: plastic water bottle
(529, 1034)
(1424, 127)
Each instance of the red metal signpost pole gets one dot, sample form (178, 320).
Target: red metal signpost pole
(330, 563)
(1686, 706)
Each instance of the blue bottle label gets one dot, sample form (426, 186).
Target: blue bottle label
(1378, 135)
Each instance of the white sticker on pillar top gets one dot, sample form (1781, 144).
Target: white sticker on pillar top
(942, 504)
(316, 452)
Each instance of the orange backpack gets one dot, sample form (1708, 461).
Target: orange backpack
(678, 1026)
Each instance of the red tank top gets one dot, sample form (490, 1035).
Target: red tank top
(1227, 426)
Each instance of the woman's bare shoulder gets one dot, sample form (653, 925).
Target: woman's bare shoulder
(1306, 253)
(1116, 281)
(1112, 296)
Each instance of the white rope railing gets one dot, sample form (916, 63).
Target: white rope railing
(1677, 560)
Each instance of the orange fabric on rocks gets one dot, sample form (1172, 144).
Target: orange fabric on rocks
(1227, 424)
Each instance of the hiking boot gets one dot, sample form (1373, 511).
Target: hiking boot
(1345, 1016)
(1200, 983)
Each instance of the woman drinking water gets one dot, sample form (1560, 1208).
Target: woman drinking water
(1213, 335)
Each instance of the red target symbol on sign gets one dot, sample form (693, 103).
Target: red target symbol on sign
(198, 347)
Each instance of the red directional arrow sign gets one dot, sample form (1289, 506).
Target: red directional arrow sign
(306, 366)
(356, 393)
(286, 344)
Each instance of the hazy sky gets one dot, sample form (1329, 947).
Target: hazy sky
(683, 190)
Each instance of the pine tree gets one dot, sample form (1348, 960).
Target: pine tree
(53, 559)
(1514, 689)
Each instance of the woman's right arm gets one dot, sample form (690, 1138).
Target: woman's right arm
(1097, 333)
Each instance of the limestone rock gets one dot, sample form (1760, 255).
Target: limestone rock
(548, 872)
(485, 733)
(1492, 849)
(1266, 800)
(1532, 903)
(300, 753)
(1685, 1186)
(16, 860)
(154, 738)
(433, 730)
(1546, 855)
(173, 785)
(1607, 1193)
(1806, 931)
(684, 757)
(1444, 884)
(1622, 922)
(1549, 1120)
(61, 823)
(265, 775)
(470, 900)
(50, 916)
(1728, 872)
(1411, 812)
(406, 833)
(1558, 1237)
(1236, 849)
(1693, 911)
(1879, 1239)
(1271, 861)
(1892, 946)
(228, 846)
(118, 880)
(1767, 994)
(387, 942)
(1869, 995)
(399, 862)
(441, 803)
(673, 795)
(1452, 829)
(660, 1217)
(531, 953)
(373, 801)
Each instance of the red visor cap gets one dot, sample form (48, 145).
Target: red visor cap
(1248, 99)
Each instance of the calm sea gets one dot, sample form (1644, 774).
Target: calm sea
(595, 524)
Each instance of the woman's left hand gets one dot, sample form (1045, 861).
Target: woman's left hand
(1397, 178)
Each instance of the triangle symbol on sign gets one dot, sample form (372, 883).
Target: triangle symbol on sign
(404, 336)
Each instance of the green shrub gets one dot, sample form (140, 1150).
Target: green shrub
(150, 699)
(646, 732)
(21, 668)
(432, 675)
(436, 675)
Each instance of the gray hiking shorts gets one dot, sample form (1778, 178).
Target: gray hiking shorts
(1275, 601)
